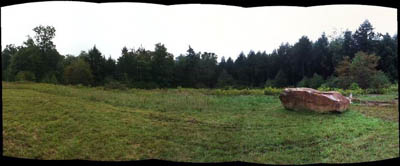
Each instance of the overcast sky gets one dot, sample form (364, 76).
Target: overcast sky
(224, 30)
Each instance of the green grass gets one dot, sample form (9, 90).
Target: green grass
(44, 121)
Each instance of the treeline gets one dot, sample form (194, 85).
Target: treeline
(364, 57)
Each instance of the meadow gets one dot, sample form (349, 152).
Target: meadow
(46, 121)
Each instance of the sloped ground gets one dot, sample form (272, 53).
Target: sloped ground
(45, 121)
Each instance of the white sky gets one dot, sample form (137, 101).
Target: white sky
(224, 30)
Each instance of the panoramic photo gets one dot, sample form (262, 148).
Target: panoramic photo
(199, 83)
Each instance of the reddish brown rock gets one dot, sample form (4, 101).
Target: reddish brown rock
(314, 100)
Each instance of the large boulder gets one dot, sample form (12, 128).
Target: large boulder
(314, 100)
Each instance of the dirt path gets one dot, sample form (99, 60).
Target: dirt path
(387, 110)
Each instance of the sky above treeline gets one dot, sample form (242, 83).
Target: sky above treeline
(224, 30)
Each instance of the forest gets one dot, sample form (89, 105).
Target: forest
(363, 58)
(90, 107)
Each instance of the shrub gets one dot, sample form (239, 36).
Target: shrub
(375, 91)
(25, 76)
(78, 72)
(354, 86)
(115, 85)
(347, 92)
(332, 82)
(144, 85)
(80, 86)
(281, 79)
(240, 87)
(269, 83)
(8, 76)
(50, 78)
(152, 85)
(109, 79)
(392, 88)
(227, 87)
(324, 87)
(200, 85)
(304, 82)
(342, 91)
(379, 81)
(234, 92)
(272, 91)
(316, 81)
(313, 82)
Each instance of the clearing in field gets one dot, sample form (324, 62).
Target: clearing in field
(44, 121)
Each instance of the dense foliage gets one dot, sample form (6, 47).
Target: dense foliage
(364, 57)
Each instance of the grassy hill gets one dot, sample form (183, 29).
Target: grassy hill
(45, 121)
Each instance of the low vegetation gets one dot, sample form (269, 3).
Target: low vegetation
(46, 121)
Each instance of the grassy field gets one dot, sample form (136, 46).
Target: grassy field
(44, 121)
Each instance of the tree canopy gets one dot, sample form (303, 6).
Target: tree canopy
(352, 57)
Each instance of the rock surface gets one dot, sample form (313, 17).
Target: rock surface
(314, 100)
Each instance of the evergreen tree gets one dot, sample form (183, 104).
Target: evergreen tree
(364, 37)
(225, 79)
(240, 70)
(349, 45)
(97, 63)
(110, 68)
(207, 68)
(162, 66)
(126, 66)
(386, 50)
(321, 62)
(301, 59)
(281, 79)
(6, 55)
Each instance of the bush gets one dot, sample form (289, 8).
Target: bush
(375, 91)
(316, 81)
(379, 81)
(109, 79)
(78, 72)
(324, 87)
(240, 87)
(392, 88)
(50, 78)
(304, 82)
(8, 76)
(152, 85)
(332, 82)
(144, 85)
(25, 76)
(272, 91)
(227, 87)
(313, 82)
(354, 86)
(234, 92)
(200, 85)
(347, 92)
(281, 79)
(269, 83)
(115, 85)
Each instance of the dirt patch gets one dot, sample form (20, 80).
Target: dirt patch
(387, 112)
(375, 103)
